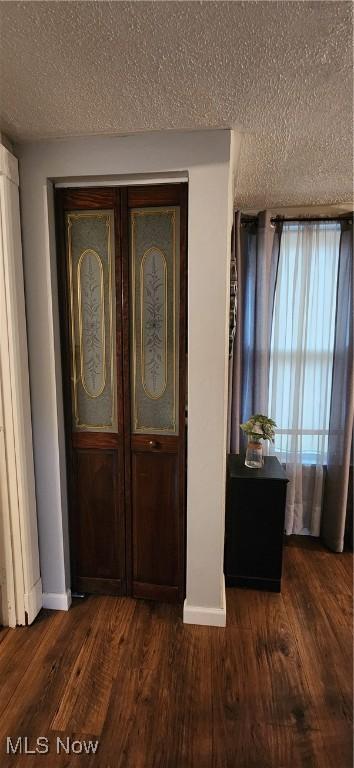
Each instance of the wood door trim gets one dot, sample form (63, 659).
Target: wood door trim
(100, 586)
(167, 594)
(126, 384)
(154, 443)
(183, 378)
(64, 309)
(157, 194)
(120, 378)
(95, 440)
(82, 198)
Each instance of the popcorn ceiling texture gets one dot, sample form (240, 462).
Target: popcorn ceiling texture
(278, 72)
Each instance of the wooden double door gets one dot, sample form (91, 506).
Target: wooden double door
(122, 295)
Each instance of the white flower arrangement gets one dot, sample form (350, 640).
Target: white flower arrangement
(259, 427)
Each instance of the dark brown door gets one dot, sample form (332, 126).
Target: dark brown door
(157, 287)
(89, 270)
(122, 275)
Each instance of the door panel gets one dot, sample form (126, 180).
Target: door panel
(89, 272)
(96, 523)
(157, 227)
(155, 519)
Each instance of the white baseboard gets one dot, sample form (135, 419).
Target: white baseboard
(209, 617)
(57, 601)
(33, 601)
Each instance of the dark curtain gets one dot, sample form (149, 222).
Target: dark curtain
(335, 503)
(257, 246)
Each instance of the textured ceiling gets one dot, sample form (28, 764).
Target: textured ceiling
(279, 72)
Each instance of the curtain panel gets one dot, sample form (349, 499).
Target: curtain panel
(340, 450)
(257, 244)
(302, 347)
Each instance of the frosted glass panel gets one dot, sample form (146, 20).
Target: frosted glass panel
(90, 255)
(155, 311)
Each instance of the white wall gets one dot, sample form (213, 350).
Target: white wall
(206, 157)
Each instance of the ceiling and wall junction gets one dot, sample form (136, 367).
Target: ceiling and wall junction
(278, 72)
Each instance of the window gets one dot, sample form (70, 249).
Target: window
(303, 339)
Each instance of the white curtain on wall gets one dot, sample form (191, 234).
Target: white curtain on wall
(21, 586)
(301, 364)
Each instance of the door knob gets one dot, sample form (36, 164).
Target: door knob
(153, 444)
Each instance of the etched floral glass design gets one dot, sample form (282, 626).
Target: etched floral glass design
(92, 317)
(153, 281)
(155, 311)
(91, 323)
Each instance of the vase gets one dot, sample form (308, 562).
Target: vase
(254, 454)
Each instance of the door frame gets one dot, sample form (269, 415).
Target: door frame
(209, 159)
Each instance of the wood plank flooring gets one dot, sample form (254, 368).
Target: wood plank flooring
(272, 690)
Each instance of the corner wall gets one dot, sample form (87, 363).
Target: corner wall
(206, 157)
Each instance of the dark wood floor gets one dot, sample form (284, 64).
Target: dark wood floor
(272, 690)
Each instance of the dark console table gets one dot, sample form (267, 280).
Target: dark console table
(254, 525)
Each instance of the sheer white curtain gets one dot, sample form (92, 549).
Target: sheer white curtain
(301, 364)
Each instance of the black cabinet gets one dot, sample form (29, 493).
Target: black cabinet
(254, 525)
